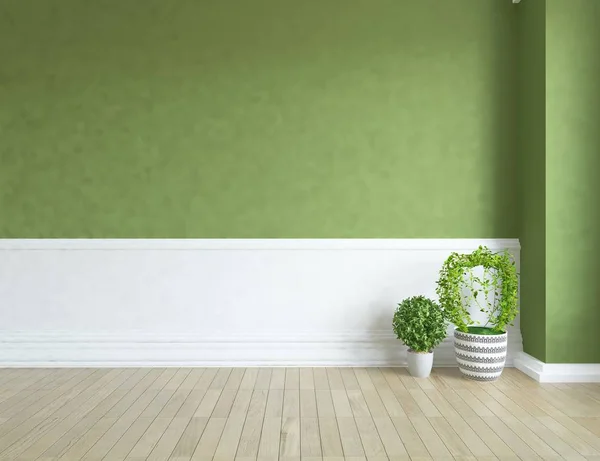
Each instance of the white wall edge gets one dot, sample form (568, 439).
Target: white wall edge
(61, 349)
(218, 302)
(259, 244)
(557, 372)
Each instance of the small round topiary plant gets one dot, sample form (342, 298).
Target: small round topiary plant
(500, 279)
(419, 323)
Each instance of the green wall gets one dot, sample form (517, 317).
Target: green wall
(572, 183)
(558, 140)
(531, 138)
(262, 118)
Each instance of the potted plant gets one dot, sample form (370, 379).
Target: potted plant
(480, 349)
(419, 323)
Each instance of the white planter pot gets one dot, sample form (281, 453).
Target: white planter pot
(419, 363)
(480, 357)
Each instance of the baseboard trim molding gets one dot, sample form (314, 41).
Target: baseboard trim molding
(557, 372)
(259, 244)
(59, 349)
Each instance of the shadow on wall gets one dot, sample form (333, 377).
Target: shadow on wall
(573, 188)
(592, 169)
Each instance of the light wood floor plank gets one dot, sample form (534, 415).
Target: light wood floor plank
(210, 439)
(250, 438)
(192, 378)
(20, 388)
(324, 404)
(291, 403)
(167, 442)
(500, 449)
(81, 447)
(191, 403)
(432, 441)
(410, 438)
(369, 437)
(335, 379)
(408, 404)
(37, 419)
(350, 438)
(537, 444)
(120, 439)
(426, 405)
(320, 378)
(207, 377)
(263, 380)
(277, 378)
(569, 437)
(258, 403)
(43, 397)
(268, 449)
(274, 403)
(341, 404)
(510, 438)
(241, 403)
(249, 379)
(407, 380)
(224, 404)
(331, 442)
(358, 404)
(177, 380)
(93, 409)
(220, 379)
(390, 402)
(310, 439)
(450, 438)
(129, 439)
(292, 378)
(376, 407)
(392, 443)
(235, 378)
(291, 414)
(591, 424)
(207, 405)
(126, 411)
(230, 438)
(306, 378)
(364, 381)
(189, 439)
(289, 444)
(349, 378)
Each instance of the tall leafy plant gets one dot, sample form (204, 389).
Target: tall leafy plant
(419, 323)
(499, 281)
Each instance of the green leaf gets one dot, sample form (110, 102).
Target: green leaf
(419, 322)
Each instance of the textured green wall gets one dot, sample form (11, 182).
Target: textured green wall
(572, 184)
(531, 138)
(262, 118)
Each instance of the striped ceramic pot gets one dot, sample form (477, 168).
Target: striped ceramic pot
(480, 357)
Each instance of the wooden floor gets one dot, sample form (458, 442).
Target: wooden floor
(291, 414)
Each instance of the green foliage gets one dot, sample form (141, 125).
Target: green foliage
(419, 323)
(499, 279)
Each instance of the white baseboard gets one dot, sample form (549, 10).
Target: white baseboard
(377, 348)
(243, 302)
(557, 372)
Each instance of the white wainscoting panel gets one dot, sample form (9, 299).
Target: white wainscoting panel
(136, 302)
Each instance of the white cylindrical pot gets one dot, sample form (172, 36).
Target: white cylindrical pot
(419, 363)
(480, 357)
